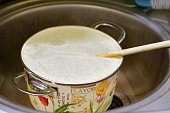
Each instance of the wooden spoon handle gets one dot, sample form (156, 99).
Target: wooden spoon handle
(138, 49)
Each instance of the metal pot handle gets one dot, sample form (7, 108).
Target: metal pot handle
(113, 26)
(45, 89)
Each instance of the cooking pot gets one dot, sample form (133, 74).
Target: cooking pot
(143, 77)
(89, 95)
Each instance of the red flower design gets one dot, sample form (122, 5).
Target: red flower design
(43, 100)
(50, 96)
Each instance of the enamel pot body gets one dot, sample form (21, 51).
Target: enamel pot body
(49, 96)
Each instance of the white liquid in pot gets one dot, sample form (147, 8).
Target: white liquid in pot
(67, 54)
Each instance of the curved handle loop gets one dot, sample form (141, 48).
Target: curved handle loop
(18, 76)
(113, 26)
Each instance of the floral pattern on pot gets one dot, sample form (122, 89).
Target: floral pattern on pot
(102, 97)
(44, 101)
(102, 87)
(89, 98)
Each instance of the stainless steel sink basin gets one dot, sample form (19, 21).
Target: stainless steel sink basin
(141, 75)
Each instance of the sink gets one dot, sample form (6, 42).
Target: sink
(140, 76)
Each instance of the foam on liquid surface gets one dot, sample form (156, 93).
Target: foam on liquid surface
(67, 55)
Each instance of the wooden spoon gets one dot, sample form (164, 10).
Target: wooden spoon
(137, 49)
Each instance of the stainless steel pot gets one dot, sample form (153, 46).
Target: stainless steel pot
(144, 76)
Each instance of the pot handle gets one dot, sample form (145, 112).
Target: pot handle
(114, 26)
(18, 76)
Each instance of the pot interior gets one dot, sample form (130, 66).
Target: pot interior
(140, 75)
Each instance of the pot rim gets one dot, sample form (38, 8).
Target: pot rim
(31, 73)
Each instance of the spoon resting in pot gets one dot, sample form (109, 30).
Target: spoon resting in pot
(137, 49)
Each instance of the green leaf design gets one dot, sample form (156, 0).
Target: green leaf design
(70, 112)
(52, 100)
(62, 108)
(101, 104)
(106, 104)
(91, 107)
